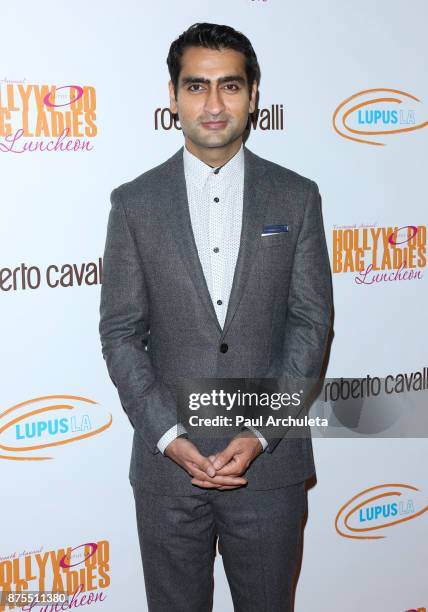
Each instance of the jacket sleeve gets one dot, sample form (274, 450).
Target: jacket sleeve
(124, 330)
(310, 302)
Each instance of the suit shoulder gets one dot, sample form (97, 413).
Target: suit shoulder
(285, 177)
(149, 184)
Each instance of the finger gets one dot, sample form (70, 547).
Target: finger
(204, 484)
(224, 457)
(208, 485)
(221, 480)
(236, 467)
(194, 471)
(203, 463)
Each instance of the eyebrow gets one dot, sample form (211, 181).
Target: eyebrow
(194, 79)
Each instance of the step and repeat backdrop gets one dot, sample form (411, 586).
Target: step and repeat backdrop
(84, 108)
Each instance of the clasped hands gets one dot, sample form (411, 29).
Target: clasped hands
(223, 470)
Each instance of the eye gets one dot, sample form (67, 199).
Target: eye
(193, 86)
(232, 86)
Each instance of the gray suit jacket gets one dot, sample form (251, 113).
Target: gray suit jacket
(158, 323)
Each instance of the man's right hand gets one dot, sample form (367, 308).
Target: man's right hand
(187, 456)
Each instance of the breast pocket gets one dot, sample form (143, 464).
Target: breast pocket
(274, 240)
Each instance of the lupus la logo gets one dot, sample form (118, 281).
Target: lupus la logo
(366, 515)
(380, 254)
(51, 422)
(378, 112)
(46, 118)
(417, 610)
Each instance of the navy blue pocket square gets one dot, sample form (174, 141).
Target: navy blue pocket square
(268, 230)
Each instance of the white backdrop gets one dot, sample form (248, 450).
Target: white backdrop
(64, 439)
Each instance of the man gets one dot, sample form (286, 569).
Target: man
(215, 266)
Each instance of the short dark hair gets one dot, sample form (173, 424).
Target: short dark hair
(212, 36)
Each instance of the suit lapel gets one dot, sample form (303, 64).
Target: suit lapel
(181, 226)
(256, 196)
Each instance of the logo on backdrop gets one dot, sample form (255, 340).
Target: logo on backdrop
(373, 114)
(54, 276)
(265, 119)
(40, 117)
(81, 572)
(366, 515)
(417, 610)
(376, 255)
(31, 429)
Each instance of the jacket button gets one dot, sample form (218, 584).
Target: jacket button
(224, 348)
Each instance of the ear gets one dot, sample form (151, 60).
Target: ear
(172, 100)
(253, 97)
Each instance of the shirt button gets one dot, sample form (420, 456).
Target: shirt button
(224, 348)
(216, 249)
(216, 199)
(219, 302)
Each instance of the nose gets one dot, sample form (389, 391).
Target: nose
(214, 104)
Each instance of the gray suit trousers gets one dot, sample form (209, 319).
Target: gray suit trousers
(260, 537)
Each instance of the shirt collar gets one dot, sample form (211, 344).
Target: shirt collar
(198, 171)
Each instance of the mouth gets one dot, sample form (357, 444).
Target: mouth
(214, 125)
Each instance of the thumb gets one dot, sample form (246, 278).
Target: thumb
(207, 466)
(203, 463)
(223, 458)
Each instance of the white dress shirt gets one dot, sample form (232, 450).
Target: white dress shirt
(215, 197)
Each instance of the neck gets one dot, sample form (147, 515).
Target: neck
(216, 156)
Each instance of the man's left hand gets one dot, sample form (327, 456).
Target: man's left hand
(233, 460)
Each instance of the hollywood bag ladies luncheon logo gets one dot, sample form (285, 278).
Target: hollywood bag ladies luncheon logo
(371, 114)
(80, 574)
(46, 118)
(375, 255)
